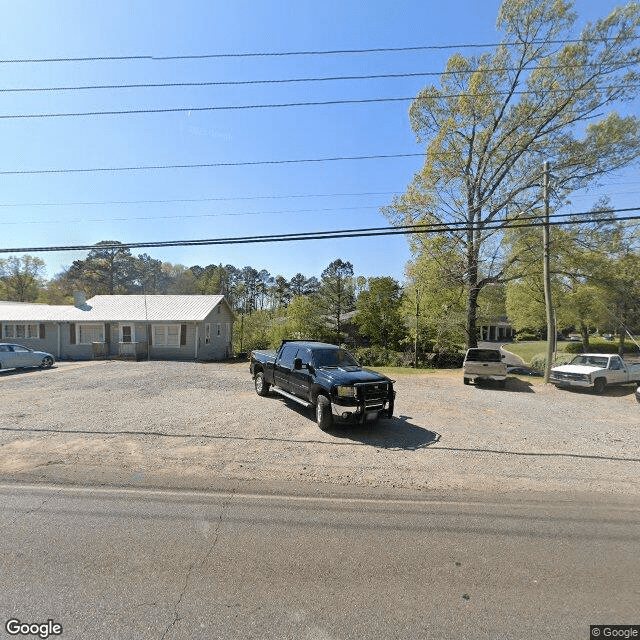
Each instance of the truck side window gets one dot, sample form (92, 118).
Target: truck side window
(305, 356)
(288, 356)
(615, 363)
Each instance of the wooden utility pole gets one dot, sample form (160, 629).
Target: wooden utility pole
(546, 270)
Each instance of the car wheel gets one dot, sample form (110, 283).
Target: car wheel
(599, 385)
(46, 363)
(323, 413)
(262, 387)
(465, 380)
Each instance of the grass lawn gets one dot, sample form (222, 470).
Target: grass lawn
(526, 350)
(392, 371)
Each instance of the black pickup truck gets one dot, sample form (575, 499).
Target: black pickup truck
(320, 375)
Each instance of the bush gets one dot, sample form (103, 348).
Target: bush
(600, 347)
(527, 337)
(445, 359)
(539, 361)
(379, 357)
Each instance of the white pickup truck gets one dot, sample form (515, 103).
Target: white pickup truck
(484, 364)
(596, 371)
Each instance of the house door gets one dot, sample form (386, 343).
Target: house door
(126, 333)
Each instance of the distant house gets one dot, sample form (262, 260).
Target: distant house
(162, 327)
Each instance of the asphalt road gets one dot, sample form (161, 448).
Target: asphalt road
(149, 564)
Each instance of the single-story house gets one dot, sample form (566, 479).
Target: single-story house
(162, 327)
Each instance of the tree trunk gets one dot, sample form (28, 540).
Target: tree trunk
(472, 294)
(472, 312)
(585, 336)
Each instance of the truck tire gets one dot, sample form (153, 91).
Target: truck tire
(465, 380)
(262, 387)
(323, 412)
(599, 385)
(502, 384)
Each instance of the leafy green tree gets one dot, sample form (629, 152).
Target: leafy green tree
(107, 269)
(21, 278)
(379, 313)
(497, 116)
(336, 293)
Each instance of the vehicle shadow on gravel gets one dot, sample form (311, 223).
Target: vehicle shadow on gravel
(611, 392)
(388, 433)
(394, 433)
(512, 384)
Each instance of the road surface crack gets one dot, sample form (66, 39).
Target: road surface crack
(216, 534)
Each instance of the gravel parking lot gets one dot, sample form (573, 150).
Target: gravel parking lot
(187, 424)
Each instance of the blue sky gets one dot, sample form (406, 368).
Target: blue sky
(84, 208)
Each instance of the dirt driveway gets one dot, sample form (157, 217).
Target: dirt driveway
(191, 425)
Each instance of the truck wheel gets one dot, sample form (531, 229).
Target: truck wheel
(599, 385)
(323, 413)
(502, 384)
(262, 387)
(465, 380)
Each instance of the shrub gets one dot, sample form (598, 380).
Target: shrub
(526, 336)
(379, 357)
(600, 347)
(539, 361)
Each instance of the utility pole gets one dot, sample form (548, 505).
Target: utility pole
(415, 345)
(546, 270)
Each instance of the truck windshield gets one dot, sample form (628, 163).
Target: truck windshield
(333, 358)
(591, 361)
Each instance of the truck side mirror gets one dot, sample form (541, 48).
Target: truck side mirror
(297, 363)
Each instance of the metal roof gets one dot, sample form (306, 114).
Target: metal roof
(123, 308)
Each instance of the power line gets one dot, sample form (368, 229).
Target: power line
(287, 105)
(191, 216)
(226, 83)
(206, 165)
(262, 197)
(190, 200)
(206, 56)
(326, 235)
(242, 213)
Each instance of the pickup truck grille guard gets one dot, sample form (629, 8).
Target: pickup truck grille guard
(372, 396)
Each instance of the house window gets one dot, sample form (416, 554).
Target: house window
(219, 329)
(88, 333)
(166, 335)
(207, 333)
(21, 331)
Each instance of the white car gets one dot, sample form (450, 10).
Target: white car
(15, 356)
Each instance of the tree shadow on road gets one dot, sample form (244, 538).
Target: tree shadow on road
(389, 433)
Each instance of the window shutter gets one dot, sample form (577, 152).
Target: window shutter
(183, 335)
(72, 333)
(42, 336)
(150, 335)
(107, 333)
(0, 331)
